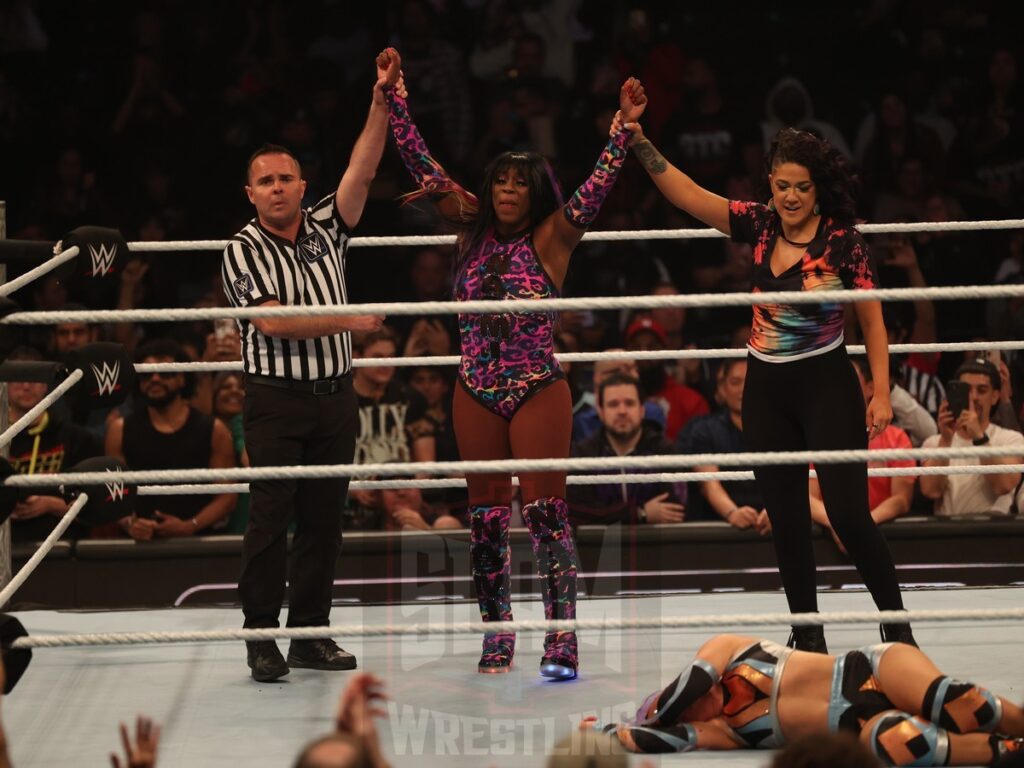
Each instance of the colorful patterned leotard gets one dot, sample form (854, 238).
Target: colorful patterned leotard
(837, 258)
(508, 357)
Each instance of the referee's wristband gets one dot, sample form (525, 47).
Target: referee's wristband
(730, 513)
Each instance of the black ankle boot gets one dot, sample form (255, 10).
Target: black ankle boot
(810, 639)
(897, 633)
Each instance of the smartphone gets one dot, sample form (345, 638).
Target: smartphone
(958, 394)
(993, 357)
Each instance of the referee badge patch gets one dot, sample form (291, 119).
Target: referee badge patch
(243, 285)
(312, 247)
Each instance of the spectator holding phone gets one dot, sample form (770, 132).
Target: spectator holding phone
(965, 419)
(1003, 414)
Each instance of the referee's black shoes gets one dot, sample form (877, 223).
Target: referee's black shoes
(319, 654)
(265, 661)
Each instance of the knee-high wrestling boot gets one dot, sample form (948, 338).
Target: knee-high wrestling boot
(555, 550)
(492, 573)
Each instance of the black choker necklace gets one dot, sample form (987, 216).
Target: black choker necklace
(795, 244)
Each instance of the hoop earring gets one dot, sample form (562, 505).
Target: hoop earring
(816, 210)
(771, 204)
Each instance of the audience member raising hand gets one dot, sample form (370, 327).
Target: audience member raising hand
(355, 741)
(139, 752)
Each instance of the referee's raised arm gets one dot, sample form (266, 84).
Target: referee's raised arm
(362, 166)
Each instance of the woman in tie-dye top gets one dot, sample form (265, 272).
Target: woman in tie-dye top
(801, 392)
(513, 401)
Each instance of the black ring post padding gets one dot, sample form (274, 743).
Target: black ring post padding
(108, 502)
(9, 495)
(109, 374)
(26, 252)
(33, 370)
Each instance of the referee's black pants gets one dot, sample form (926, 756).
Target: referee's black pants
(288, 428)
(815, 404)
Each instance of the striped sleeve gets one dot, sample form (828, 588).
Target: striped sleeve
(325, 213)
(248, 279)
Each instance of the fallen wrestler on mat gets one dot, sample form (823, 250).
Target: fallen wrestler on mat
(747, 693)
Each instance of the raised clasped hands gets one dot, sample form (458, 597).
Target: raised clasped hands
(632, 100)
(389, 72)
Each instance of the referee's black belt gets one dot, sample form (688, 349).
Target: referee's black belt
(318, 387)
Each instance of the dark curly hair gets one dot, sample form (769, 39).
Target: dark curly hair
(544, 196)
(835, 184)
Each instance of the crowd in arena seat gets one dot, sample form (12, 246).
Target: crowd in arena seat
(107, 124)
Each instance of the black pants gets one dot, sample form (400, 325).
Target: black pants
(287, 428)
(815, 404)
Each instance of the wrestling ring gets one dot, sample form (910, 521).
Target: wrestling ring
(186, 669)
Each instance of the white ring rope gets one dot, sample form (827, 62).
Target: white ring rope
(516, 466)
(36, 272)
(478, 627)
(37, 410)
(599, 236)
(588, 357)
(44, 549)
(614, 479)
(519, 306)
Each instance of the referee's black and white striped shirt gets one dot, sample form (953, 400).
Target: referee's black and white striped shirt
(259, 266)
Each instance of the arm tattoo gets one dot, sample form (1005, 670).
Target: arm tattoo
(650, 158)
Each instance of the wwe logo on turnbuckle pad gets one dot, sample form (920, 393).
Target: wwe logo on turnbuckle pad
(115, 488)
(106, 377)
(102, 259)
(312, 247)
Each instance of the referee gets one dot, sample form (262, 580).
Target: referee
(299, 404)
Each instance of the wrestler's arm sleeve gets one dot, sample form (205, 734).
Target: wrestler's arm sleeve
(584, 205)
(678, 738)
(430, 175)
(694, 681)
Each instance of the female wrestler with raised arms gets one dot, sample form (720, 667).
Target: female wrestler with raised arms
(741, 692)
(512, 401)
(801, 391)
